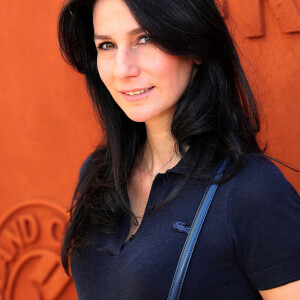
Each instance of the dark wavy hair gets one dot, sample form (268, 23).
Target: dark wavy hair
(217, 112)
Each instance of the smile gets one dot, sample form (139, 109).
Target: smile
(138, 94)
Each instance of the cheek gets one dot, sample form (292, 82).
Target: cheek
(176, 69)
(176, 74)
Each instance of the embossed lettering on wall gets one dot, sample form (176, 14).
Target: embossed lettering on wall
(29, 252)
(287, 13)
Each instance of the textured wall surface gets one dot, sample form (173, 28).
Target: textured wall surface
(47, 127)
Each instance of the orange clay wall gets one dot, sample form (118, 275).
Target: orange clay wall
(47, 127)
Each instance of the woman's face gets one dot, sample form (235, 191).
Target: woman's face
(129, 63)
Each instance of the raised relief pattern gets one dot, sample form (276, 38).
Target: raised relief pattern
(30, 240)
(252, 12)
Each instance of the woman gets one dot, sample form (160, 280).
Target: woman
(169, 90)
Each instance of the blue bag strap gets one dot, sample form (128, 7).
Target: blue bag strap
(192, 237)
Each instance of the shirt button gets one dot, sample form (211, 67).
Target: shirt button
(151, 207)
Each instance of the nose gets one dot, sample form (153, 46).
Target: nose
(126, 64)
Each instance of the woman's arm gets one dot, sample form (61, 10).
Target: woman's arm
(290, 291)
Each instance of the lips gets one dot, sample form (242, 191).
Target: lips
(135, 90)
(137, 97)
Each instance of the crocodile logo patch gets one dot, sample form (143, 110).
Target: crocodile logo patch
(181, 227)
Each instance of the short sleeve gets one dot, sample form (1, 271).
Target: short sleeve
(263, 218)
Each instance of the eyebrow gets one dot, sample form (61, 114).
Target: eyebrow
(130, 33)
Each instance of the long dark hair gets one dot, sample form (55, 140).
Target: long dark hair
(217, 112)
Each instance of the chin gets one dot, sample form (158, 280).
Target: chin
(138, 118)
(140, 114)
(144, 115)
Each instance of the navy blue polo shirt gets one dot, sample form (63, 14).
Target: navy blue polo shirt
(250, 241)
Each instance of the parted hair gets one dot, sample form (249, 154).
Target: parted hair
(217, 112)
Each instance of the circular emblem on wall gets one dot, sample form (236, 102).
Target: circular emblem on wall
(30, 241)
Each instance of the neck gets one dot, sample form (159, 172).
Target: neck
(159, 152)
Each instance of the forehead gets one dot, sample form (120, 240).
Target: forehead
(112, 16)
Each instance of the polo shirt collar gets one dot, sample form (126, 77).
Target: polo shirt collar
(184, 166)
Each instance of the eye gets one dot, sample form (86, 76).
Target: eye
(144, 39)
(105, 46)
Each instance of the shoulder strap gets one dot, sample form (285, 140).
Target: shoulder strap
(192, 237)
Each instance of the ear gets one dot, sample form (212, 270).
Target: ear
(197, 62)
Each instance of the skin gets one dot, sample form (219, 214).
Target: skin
(290, 291)
(130, 61)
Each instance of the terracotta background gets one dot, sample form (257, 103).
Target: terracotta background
(47, 127)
